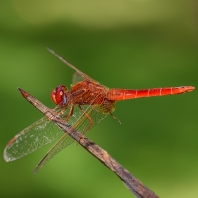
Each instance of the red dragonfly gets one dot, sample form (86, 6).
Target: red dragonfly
(85, 105)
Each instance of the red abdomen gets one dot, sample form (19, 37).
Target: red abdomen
(124, 94)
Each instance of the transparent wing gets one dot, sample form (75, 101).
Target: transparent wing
(31, 138)
(72, 66)
(77, 78)
(80, 120)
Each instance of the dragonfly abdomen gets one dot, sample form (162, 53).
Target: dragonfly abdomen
(124, 94)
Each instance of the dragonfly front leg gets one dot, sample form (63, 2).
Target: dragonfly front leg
(71, 110)
(61, 113)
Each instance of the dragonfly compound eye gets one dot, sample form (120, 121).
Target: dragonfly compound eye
(59, 95)
(53, 96)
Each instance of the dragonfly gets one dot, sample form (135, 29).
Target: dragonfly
(83, 106)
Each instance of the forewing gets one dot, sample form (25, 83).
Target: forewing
(31, 138)
(78, 121)
(77, 78)
(72, 66)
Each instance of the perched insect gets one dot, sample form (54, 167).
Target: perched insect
(83, 106)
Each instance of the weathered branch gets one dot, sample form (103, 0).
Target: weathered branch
(133, 184)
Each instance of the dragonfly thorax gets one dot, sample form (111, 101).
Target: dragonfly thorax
(58, 95)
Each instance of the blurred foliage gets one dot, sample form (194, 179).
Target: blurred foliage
(126, 44)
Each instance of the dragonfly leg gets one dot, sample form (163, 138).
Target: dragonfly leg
(55, 111)
(60, 114)
(115, 118)
(70, 113)
(90, 121)
(71, 110)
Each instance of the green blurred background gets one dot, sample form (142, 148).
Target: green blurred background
(125, 44)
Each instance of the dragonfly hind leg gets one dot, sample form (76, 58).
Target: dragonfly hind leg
(115, 117)
(90, 122)
(108, 107)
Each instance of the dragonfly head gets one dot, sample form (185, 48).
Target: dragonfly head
(58, 95)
